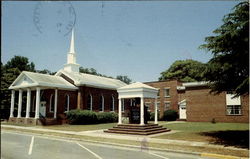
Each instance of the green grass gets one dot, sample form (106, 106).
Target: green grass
(227, 134)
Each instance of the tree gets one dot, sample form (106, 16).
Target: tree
(9, 73)
(45, 71)
(185, 71)
(228, 70)
(125, 79)
(21, 63)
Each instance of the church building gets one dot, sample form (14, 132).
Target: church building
(49, 97)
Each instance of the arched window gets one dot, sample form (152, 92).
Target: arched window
(112, 103)
(52, 103)
(89, 102)
(101, 103)
(66, 103)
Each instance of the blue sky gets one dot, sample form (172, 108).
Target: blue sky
(139, 39)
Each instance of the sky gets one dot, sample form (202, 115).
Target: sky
(139, 39)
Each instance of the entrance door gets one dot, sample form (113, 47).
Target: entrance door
(182, 110)
(43, 108)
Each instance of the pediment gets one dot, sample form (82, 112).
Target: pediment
(24, 80)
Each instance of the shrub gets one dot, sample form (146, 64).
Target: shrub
(81, 117)
(78, 116)
(170, 115)
(107, 117)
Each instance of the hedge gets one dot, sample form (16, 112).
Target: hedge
(78, 116)
(170, 115)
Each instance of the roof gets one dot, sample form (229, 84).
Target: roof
(137, 85)
(81, 79)
(30, 79)
(137, 89)
(195, 84)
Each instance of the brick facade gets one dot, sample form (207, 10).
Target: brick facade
(172, 99)
(201, 106)
(205, 107)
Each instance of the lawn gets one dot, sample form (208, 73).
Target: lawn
(227, 134)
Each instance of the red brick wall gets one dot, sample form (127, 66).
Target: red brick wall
(203, 106)
(173, 99)
(96, 94)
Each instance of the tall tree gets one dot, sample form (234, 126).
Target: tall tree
(228, 70)
(21, 63)
(125, 79)
(9, 72)
(185, 71)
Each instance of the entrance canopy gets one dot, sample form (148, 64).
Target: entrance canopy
(137, 90)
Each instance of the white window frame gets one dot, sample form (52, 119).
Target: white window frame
(113, 104)
(165, 103)
(102, 104)
(233, 109)
(158, 106)
(67, 96)
(232, 103)
(51, 103)
(165, 92)
(91, 101)
(123, 106)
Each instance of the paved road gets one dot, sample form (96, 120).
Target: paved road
(30, 146)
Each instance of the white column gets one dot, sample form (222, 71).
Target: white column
(37, 102)
(20, 97)
(28, 103)
(156, 112)
(120, 111)
(12, 103)
(55, 104)
(142, 111)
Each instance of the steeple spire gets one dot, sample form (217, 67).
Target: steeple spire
(71, 65)
(72, 43)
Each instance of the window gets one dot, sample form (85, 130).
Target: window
(167, 106)
(112, 103)
(166, 92)
(89, 102)
(101, 103)
(158, 94)
(233, 109)
(66, 103)
(52, 103)
(233, 104)
(123, 105)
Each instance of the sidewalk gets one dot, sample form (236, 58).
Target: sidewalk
(140, 138)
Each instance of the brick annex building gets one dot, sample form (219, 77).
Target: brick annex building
(47, 98)
(194, 102)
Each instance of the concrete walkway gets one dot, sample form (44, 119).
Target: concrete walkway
(140, 138)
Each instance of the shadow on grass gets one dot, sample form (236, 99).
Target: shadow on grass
(237, 138)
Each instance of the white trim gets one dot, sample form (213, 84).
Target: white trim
(113, 103)
(50, 103)
(91, 101)
(68, 101)
(102, 97)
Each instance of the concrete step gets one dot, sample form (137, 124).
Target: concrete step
(138, 127)
(137, 133)
(136, 130)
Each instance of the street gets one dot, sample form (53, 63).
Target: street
(24, 146)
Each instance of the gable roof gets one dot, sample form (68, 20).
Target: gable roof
(81, 79)
(30, 79)
(137, 85)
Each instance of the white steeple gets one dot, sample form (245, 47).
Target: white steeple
(71, 65)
